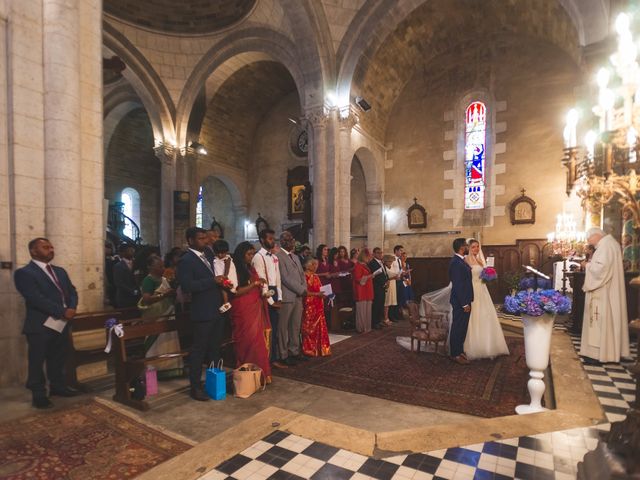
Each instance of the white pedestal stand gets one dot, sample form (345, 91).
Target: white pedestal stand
(537, 343)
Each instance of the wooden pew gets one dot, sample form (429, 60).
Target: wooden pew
(79, 354)
(129, 367)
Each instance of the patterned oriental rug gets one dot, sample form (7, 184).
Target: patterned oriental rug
(87, 441)
(374, 364)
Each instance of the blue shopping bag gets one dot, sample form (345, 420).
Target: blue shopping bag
(215, 383)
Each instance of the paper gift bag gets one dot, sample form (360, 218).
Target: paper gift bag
(151, 380)
(215, 383)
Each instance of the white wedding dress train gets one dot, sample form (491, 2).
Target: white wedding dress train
(484, 335)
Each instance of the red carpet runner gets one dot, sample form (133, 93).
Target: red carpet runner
(87, 441)
(374, 364)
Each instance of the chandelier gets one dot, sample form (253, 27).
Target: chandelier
(605, 167)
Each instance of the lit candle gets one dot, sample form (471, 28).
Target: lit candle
(590, 143)
(570, 137)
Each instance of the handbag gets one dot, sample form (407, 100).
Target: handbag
(248, 379)
(215, 383)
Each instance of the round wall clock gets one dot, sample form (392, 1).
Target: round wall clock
(299, 142)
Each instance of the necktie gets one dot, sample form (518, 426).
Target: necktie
(203, 257)
(56, 281)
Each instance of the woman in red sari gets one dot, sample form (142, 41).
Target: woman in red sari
(249, 315)
(315, 338)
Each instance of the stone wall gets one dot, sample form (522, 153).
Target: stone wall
(358, 205)
(130, 162)
(270, 159)
(217, 202)
(533, 88)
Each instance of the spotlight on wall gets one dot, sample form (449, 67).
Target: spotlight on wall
(363, 104)
(198, 147)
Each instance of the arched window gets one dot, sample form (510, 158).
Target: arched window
(131, 200)
(199, 208)
(474, 155)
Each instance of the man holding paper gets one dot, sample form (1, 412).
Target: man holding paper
(51, 300)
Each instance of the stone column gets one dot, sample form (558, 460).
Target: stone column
(63, 167)
(342, 193)
(316, 124)
(375, 219)
(167, 157)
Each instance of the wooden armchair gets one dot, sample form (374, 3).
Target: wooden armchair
(433, 323)
(418, 332)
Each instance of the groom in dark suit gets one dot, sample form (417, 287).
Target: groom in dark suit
(461, 298)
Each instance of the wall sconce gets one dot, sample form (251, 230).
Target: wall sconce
(363, 104)
(198, 147)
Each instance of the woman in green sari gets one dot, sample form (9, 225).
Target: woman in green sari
(158, 299)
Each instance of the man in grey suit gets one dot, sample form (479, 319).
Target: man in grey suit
(294, 287)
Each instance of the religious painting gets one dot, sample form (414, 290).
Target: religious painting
(416, 215)
(261, 224)
(522, 210)
(181, 205)
(297, 199)
(297, 178)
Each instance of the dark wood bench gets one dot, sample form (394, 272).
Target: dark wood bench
(129, 367)
(79, 354)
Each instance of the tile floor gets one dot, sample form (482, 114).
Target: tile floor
(554, 455)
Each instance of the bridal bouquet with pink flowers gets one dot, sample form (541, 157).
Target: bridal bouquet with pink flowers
(488, 274)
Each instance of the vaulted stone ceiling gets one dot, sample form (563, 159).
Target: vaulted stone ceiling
(238, 107)
(180, 16)
(441, 26)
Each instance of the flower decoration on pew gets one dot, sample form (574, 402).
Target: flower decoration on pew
(488, 274)
(536, 303)
(113, 326)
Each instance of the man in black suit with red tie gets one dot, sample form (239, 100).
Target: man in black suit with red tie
(461, 299)
(195, 276)
(49, 297)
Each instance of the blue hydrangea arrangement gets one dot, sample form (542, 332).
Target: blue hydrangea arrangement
(536, 303)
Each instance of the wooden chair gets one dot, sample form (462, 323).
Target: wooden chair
(438, 329)
(418, 332)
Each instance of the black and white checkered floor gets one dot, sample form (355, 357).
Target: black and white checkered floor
(554, 455)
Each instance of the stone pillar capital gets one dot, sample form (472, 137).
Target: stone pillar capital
(166, 153)
(315, 117)
(348, 118)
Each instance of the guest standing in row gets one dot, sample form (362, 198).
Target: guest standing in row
(379, 282)
(249, 313)
(158, 300)
(294, 288)
(48, 293)
(195, 276)
(266, 265)
(391, 296)
(363, 291)
(127, 292)
(315, 338)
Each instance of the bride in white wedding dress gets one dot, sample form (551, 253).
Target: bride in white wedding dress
(484, 335)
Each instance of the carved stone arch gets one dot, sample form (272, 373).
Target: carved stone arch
(278, 47)
(145, 81)
(373, 168)
(118, 102)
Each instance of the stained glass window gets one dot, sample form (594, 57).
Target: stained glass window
(131, 208)
(199, 209)
(474, 155)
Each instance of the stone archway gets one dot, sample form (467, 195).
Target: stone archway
(370, 168)
(358, 205)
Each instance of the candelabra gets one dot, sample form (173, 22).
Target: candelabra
(566, 243)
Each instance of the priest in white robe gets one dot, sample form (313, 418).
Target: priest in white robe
(605, 329)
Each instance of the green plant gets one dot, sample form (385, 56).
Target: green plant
(512, 280)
